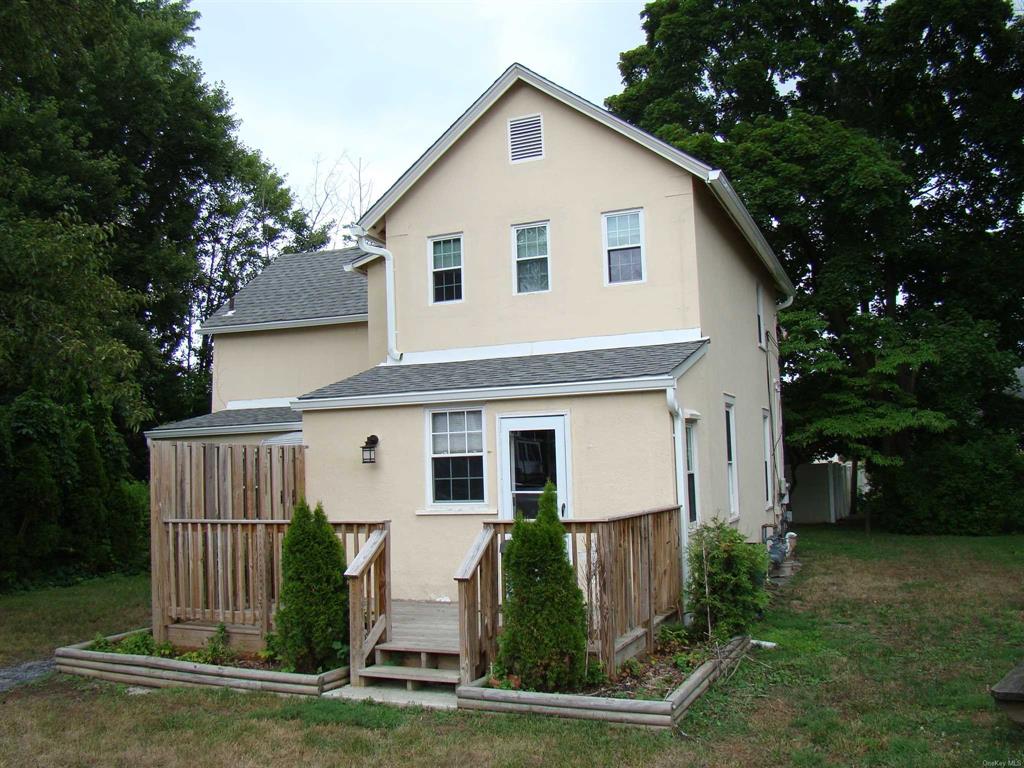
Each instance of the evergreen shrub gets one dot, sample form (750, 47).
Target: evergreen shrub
(726, 585)
(312, 619)
(544, 640)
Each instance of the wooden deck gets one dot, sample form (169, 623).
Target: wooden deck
(424, 627)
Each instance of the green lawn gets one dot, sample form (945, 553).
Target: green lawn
(886, 646)
(33, 624)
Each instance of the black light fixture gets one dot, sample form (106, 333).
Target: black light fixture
(370, 449)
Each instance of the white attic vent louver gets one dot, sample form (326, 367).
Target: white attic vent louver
(525, 138)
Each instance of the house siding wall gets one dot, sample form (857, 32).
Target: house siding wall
(285, 363)
(621, 461)
(729, 273)
(588, 169)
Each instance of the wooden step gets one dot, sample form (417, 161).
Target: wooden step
(418, 645)
(415, 674)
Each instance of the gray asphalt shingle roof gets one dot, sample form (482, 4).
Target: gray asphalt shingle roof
(298, 286)
(241, 417)
(558, 368)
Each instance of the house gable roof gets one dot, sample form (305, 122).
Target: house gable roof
(296, 290)
(714, 178)
(595, 370)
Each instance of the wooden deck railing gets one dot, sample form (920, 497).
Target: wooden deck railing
(369, 600)
(628, 566)
(477, 578)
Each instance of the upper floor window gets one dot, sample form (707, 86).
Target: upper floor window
(446, 268)
(525, 138)
(760, 316)
(531, 246)
(624, 247)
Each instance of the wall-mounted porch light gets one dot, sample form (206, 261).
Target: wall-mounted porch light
(370, 449)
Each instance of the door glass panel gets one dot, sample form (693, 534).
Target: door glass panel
(533, 464)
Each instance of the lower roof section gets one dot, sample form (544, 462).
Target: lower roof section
(584, 372)
(239, 421)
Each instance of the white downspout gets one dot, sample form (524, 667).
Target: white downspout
(678, 444)
(389, 286)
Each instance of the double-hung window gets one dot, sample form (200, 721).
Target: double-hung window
(766, 427)
(624, 247)
(457, 456)
(691, 471)
(531, 245)
(730, 459)
(760, 317)
(446, 268)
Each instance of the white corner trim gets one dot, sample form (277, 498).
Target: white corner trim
(266, 402)
(639, 384)
(277, 325)
(689, 362)
(715, 179)
(556, 346)
(243, 429)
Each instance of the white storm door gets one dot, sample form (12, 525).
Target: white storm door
(531, 451)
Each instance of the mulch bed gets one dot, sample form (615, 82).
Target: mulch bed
(657, 674)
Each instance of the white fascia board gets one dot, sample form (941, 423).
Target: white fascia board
(555, 346)
(608, 386)
(237, 429)
(715, 179)
(723, 190)
(266, 402)
(274, 325)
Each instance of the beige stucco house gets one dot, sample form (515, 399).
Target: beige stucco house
(547, 293)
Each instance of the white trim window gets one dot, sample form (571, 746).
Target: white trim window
(760, 317)
(730, 459)
(766, 427)
(624, 259)
(445, 269)
(457, 457)
(531, 246)
(691, 472)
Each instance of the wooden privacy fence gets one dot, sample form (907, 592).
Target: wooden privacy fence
(629, 568)
(219, 513)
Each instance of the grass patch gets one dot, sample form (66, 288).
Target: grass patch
(36, 622)
(886, 646)
(334, 712)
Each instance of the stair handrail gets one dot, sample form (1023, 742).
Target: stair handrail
(369, 600)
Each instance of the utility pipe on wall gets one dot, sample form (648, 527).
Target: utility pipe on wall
(679, 451)
(389, 286)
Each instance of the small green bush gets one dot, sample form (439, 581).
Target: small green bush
(217, 649)
(544, 640)
(726, 585)
(312, 621)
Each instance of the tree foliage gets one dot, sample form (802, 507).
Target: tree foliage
(312, 620)
(544, 639)
(129, 209)
(880, 146)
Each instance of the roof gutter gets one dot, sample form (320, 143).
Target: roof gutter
(370, 247)
(234, 429)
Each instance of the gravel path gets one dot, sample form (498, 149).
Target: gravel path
(23, 673)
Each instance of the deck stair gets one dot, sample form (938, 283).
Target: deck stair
(423, 651)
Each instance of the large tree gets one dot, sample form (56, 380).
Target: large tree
(128, 209)
(881, 148)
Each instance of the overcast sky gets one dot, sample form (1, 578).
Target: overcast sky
(383, 80)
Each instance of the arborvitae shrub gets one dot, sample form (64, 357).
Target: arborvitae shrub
(544, 640)
(726, 580)
(86, 534)
(312, 620)
(128, 525)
